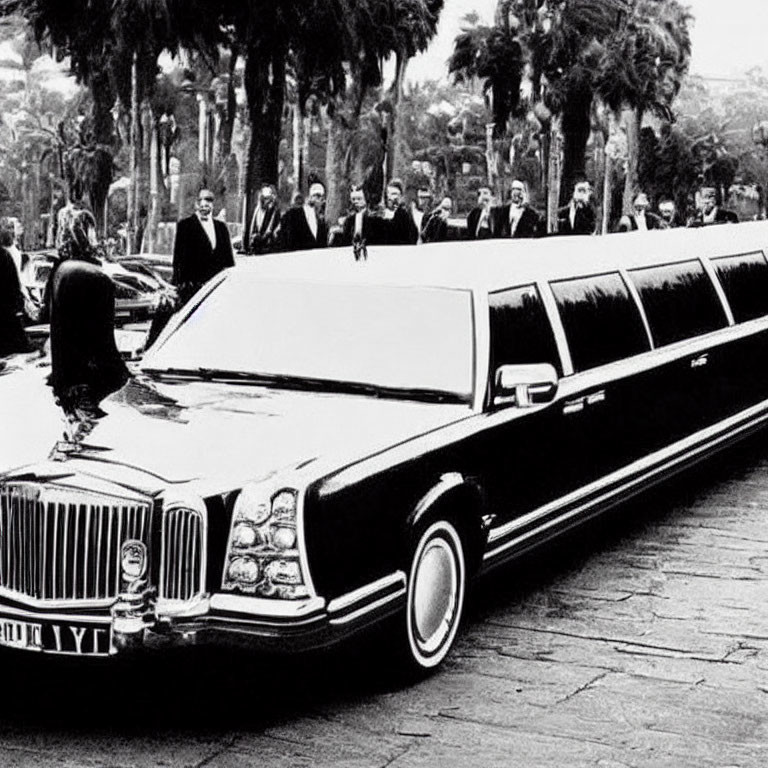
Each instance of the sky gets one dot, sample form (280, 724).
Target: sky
(728, 37)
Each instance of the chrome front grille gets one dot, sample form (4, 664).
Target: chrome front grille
(59, 543)
(183, 555)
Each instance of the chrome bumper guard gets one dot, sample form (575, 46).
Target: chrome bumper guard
(139, 619)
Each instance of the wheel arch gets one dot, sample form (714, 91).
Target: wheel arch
(461, 500)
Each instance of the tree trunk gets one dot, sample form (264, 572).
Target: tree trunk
(223, 150)
(337, 166)
(554, 173)
(103, 130)
(633, 119)
(135, 149)
(394, 144)
(265, 88)
(607, 192)
(297, 137)
(577, 125)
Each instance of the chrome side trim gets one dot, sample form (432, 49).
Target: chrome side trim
(367, 592)
(265, 607)
(355, 615)
(628, 478)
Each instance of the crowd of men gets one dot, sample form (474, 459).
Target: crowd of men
(303, 226)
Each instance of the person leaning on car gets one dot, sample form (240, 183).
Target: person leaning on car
(202, 248)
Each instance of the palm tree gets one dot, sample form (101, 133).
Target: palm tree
(102, 43)
(408, 30)
(642, 70)
(493, 55)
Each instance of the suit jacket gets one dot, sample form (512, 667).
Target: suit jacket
(401, 228)
(435, 229)
(296, 234)
(527, 226)
(722, 216)
(652, 221)
(83, 350)
(264, 239)
(194, 261)
(584, 221)
(373, 229)
(12, 336)
(473, 218)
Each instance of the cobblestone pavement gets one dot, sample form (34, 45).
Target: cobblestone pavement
(643, 641)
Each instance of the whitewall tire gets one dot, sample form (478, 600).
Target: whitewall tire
(435, 599)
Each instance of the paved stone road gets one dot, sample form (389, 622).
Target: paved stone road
(641, 642)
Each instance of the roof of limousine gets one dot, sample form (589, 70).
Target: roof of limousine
(496, 264)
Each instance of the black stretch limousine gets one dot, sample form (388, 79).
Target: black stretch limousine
(315, 443)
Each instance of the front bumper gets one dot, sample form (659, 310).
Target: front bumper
(135, 622)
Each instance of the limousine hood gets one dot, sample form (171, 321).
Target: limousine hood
(214, 435)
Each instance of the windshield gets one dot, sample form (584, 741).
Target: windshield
(387, 337)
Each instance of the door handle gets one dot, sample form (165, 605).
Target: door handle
(700, 361)
(580, 403)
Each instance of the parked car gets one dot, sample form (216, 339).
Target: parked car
(139, 286)
(315, 444)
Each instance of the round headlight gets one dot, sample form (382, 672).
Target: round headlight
(244, 536)
(133, 559)
(284, 505)
(283, 572)
(244, 570)
(252, 505)
(284, 538)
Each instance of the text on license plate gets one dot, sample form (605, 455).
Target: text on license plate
(53, 637)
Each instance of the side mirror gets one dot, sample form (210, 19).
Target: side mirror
(525, 385)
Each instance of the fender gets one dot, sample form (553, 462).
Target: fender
(447, 483)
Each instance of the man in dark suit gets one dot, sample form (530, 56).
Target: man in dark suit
(480, 221)
(398, 223)
(709, 212)
(578, 217)
(304, 227)
(265, 223)
(641, 218)
(202, 248)
(436, 228)
(516, 219)
(360, 223)
(669, 215)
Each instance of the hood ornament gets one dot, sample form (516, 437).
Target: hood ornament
(79, 421)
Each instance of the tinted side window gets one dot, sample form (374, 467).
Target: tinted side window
(679, 301)
(745, 282)
(601, 321)
(520, 329)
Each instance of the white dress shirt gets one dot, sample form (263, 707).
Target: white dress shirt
(515, 213)
(311, 216)
(210, 229)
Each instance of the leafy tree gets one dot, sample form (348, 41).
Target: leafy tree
(642, 69)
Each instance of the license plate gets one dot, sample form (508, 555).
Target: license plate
(55, 637)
